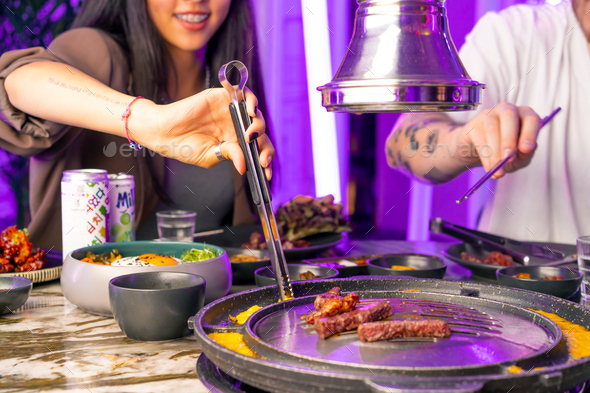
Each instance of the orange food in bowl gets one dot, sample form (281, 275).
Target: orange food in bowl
(402, 267)
(526, 276)
(157, 260)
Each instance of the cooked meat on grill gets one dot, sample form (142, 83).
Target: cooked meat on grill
(494, 258)
(321, 299)
(375, 331)
(334, 306)
(325, 327)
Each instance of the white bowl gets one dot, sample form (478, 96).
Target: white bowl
(87, 284)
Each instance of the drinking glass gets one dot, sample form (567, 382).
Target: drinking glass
(176, 225)
(583, 249)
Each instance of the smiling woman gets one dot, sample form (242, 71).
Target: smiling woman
(64, 104)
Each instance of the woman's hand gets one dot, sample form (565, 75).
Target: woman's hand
(188, 130)
(494, 134)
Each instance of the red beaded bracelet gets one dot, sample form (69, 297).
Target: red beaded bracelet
(125, 118)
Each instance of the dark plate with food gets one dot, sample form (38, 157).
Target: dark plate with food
(297, 272)
(245, 262)
(556, 281)
(306, 225)
(412, 265)
(297, 250)
(482, 263)
(347, 266)
(14, 292)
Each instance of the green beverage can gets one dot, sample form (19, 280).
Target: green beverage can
(122, 207)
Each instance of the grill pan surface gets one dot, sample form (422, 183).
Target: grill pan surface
(489, 322)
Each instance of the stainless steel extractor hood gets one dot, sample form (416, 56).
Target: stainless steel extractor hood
(401, 59)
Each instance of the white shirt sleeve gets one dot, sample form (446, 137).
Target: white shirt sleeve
(489, 56)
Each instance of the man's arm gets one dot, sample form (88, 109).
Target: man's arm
(434, 149)
(421, 144)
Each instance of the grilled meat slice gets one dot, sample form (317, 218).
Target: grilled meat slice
(323, 298)
(375, 331)
(334, 306)
(325, 327)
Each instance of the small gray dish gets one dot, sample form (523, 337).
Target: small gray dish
(427, 266)
(265, 276)
(564, 288)
(345, 271)
(155, 306)
(14, 292)
(243, 272)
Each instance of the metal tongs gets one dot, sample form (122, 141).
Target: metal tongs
(256, 178)
(523, 252)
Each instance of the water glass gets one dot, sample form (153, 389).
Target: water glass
(583, 249)
(176, 225)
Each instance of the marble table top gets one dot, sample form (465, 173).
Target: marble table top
(51, 345)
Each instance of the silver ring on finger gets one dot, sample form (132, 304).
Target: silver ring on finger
(217, 151)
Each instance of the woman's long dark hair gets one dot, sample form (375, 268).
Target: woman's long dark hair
(128, 23)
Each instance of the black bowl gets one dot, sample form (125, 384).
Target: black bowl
(427, 266)
(14, 292)
(570, 283)
(265, 276)
(243, 272)
(155, 306)
(345, 271)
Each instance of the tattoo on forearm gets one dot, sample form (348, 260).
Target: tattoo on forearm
(403, 163)
(421, 137)
(436, 176)
(397, 133)
(390, 157)
(85, 90)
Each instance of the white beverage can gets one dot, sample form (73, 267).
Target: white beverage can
(122, 210)
(84, 208)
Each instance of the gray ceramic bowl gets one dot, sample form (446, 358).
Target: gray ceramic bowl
(156, 306)
(345, 271)
(14, 292)
(264, 276)
(243, 272)
(564, 288)
(427, 266)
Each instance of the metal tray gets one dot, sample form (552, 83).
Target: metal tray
(294, 364)
(217, 381)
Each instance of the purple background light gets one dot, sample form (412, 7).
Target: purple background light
(382, 200)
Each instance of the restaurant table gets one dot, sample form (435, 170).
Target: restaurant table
(51, 345)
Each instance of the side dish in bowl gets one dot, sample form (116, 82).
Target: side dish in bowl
(86, 283)
(551, 280)
(297, 272)
(245, 262)
(413, 265)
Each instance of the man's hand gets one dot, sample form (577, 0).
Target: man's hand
(434, 149)
(499, 131)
